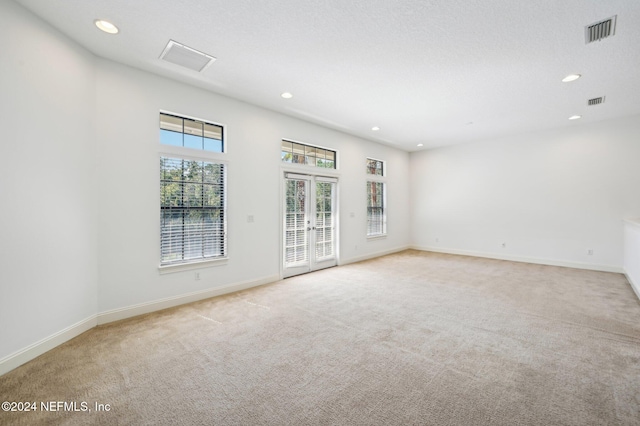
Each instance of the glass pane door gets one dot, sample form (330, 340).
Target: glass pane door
(309, 224)
(325, 243)
(296, 226)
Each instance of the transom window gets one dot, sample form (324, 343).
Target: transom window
(189, 133)
(298, 153)
(375, 167)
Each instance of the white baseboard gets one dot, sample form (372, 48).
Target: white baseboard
(36, 349)
(525, 259)
(170, 302)
(372, 255)
(634, 286)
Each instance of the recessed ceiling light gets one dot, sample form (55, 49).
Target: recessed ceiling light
(106, 26)
(287, 95)
(420, 144)
(575, 117)
(375, 128)
(571, 77)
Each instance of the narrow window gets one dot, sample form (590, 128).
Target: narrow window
(376, 215)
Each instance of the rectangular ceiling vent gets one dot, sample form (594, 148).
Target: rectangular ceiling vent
(185, 56)
(599, 30)
(595, 101)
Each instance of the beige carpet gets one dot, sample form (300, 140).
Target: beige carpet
(411, 338)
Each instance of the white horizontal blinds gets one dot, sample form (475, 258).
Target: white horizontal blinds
(192, 222)
(189, 133)
(375, 208)
(296, 222)
(298, 153)
(375, 167)
(324, 220)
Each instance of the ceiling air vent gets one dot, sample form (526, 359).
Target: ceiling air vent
(185, 56)
(595, 101)
(599, 30)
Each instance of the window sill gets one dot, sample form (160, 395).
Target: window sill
(376, 237)
(179, 267)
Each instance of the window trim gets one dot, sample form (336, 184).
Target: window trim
(187, 266)
(191, 154)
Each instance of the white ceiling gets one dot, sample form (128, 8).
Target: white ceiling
(421, 70)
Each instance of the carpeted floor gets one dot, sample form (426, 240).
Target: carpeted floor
(411, 338)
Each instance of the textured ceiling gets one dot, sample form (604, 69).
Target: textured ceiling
(421, 70)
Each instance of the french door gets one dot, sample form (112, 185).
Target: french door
(309, 223)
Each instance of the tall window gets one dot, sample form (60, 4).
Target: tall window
(376, 216)
(192, 209)
(293, 152)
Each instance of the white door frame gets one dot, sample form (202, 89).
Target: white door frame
(311, 264)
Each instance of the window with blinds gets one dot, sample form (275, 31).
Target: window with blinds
(325, 243)
(376, 219)
(192, 211)
(296, 222)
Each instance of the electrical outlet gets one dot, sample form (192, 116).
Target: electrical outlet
(437, 240)
(250, 218)
(504, 245)
(356, 248)
(590, 252)
(197, 276)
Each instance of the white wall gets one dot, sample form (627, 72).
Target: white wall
(129, 101)
(632, 253)
(550, 196)
(81, 126)
(80, 191)
(48, 262)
